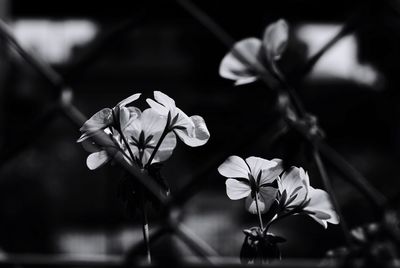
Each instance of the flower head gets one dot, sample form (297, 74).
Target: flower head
(240, 64)
(296, 194)
(253, 178)
(144, 133)
(191, 130)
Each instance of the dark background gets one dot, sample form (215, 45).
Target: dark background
(51, 203)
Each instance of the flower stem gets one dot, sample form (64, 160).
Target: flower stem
(259, 213)
(145, 229)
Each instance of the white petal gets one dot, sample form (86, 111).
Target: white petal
(246, 80)
(196, 136)
(232, 67)
(304, 177)
(267, 196)
(124, 115)
(128, 100)
(183, 120)
(251, 205)
(257, 164)
(165, 100)
(134, 113)
(294, 186)
(320, 202)
(271, 174)
(236, 189)
(234, 167)
(152, 122)
(97, 159)
(275, 39)
(98, 121)
(157, 107)
(166, 148)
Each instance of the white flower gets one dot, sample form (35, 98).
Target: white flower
(255, 52)
(99, 156)
(191, 130)
(111, 121)
(118, 117)
(251, 178)
(296, 192)
(144, 133)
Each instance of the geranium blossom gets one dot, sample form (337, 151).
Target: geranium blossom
(144, 133)
(296, 192)
(252, 179)
(113, 122)
(119, 117)
(240, 64)
(191, 130)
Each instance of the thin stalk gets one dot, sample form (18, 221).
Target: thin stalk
(145, 230)
(259, 213)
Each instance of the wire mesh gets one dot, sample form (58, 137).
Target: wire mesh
(63, 104)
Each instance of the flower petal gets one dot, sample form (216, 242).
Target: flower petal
(275, 39)
(97, 159)
(267, 196)
(166, 148)
(251, 205)
(234, 167)
(98, 121)
(258, 164)
(196, 136)
(183, 121)
(236, 189)
(160, 109)
(293, 184)
(165, 100)
(271, 174)
(321, 205)
(152, 122)
(124, 117)
(128, 100)
(232, 67)
(245, 80)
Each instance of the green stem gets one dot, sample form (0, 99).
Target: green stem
(259, 213)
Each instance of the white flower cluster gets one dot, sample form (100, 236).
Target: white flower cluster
(264, 182)
(144, 137)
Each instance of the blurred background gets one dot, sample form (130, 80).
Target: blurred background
(51, 203)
